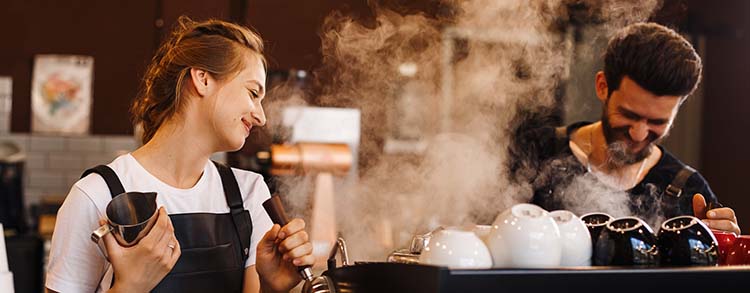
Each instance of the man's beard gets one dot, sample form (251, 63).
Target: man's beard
(619, 152)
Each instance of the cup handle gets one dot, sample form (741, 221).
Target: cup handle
(97, 236)
(653, 251)
(712, 248)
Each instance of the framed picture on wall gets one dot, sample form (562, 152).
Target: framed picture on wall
(6, 101)
(61, 94)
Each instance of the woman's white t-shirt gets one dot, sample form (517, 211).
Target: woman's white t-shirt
(75, 263)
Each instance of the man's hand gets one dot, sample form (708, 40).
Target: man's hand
(279, 253)
(718, 219)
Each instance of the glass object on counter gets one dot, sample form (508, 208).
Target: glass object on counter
(411, 255)
(408, 119)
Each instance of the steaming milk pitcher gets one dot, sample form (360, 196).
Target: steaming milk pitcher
(130, 216)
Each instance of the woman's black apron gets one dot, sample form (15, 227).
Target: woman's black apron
(214, 246)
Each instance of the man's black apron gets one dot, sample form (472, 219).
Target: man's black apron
(214, 246)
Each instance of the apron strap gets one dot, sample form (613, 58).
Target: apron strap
(110, 177)
(115, 188)
(561, 138)
(561, 132)
(674, 189)
(240, 217)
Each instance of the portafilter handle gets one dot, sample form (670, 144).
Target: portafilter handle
(275, 210)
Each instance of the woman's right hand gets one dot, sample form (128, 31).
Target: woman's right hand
(141, 267)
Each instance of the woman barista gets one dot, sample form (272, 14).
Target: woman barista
(201, 94)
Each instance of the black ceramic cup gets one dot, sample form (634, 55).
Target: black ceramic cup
(626, 241)
(596, 222)
(686, 241)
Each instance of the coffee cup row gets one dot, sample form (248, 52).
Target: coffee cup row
(524, 236)
(527, 236)
(630, 241)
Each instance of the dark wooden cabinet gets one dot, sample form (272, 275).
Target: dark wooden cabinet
(119, 34)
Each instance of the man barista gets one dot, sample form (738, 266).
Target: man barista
(649, 71)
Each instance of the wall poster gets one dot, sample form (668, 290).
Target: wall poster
(61, 94)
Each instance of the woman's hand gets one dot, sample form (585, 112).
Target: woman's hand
(279, 253)
(141, 267)
(718, 219)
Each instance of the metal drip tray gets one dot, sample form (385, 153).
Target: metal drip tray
(397, 277)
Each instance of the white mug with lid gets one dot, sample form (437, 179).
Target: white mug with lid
(575, 237)
(457, 249)
(525, 236)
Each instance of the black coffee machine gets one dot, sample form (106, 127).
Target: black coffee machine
(24, 249)
(12, 214)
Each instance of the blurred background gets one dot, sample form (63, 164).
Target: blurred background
(121, 36)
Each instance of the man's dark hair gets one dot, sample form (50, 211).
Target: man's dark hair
(655, 57)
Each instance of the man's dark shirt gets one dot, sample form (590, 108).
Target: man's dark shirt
(557, 167)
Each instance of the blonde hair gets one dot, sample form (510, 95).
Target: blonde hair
(216, 46)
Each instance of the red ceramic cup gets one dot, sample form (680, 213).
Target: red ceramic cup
(740, 255)
(726, 241)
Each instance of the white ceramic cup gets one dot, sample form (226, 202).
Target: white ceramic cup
(525, 236)
(576, 240)
(456, 249)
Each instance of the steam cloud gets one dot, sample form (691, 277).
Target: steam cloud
(506, 57)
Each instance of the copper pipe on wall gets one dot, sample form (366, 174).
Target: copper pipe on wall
(305, 158)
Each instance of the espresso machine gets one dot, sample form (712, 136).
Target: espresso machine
(12, 214)
(320, 146)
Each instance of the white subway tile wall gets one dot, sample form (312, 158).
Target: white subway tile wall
(19, 139)
(36, 161)
(55, 163)
(85, 144)
(45, 179)
(46, 143)
(4, 123)
(114, 144)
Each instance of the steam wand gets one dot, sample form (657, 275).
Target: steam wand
(275, 210)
